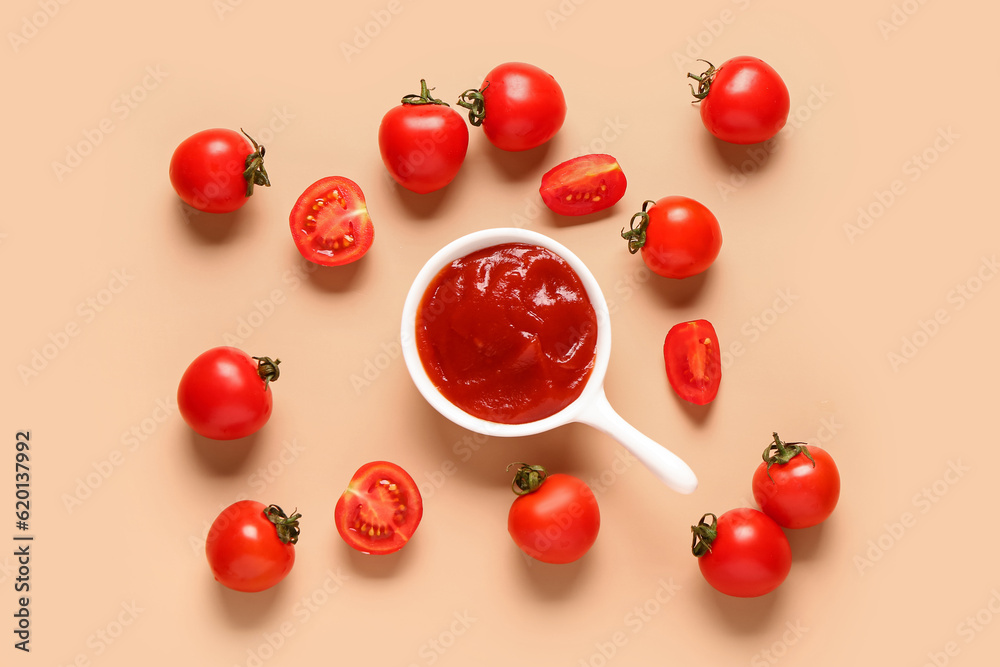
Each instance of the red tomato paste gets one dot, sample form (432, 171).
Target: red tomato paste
(508, 333)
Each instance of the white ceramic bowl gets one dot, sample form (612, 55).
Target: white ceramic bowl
(591, 407)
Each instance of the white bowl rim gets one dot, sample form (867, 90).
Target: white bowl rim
(461, 247)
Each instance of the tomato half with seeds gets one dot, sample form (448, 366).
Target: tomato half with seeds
(380, 510)
(330, 222)
(693, 360)
(583, 185)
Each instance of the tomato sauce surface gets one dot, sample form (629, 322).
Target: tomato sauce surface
(508, 333)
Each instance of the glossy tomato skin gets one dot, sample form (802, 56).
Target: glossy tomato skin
(693, 361)
(222, 395)
(583, 185)
(330, 222)
(558, 522)
(798, 494)
(244, 550)
(750, 556)
(423, 145)
(683, 237)
(207, 168)
(380, 510)
(747, 102)
(524, 104)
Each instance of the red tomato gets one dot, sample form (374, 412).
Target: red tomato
(743, 101)
(797, 486)
(250, 547)
(225, 394)
(743, 553)
(520, 106)
(380, 510)
(555, 518)
(679, 237)
(423, 142)
(215, 170)
(693, 360)
(583, 185)
(330, 222)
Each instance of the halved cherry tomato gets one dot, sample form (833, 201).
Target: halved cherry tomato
(583, 185)
(330, 222)
(380, 509)
(692, 357)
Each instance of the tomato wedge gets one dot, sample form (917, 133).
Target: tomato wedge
(583, 185)
(380, 509)
(330, 222)
(692, 356)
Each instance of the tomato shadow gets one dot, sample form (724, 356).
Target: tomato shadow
(335, 279)
(222, 457)
(746, 616)
(806, 543)
(517, 166)
(746, 159)
(371, 566)
(210, 228)
(249, 610)
(680, 292)
(555, 220)
(549, 581)
(424, 206)
(696, 414)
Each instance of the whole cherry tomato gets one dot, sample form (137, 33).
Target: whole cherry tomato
(743, 101)
(678, 236)
(423, 142)
(796, 485)
(555, 518)
(742, 553)
(693, 360)
(520, 106)
(250, 546)
(215, 170)
(225, 394)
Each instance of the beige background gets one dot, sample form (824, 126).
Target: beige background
(815, 302)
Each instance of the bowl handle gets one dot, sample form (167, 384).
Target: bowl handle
(663, 463)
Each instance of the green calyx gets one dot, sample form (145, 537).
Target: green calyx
(473, 100)
(783, 452)
(527, 478)
(254, 172)
(704, 81)
(424, 97)
(703, 535)
(267, 369)
(287, 526)
(636, 233)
